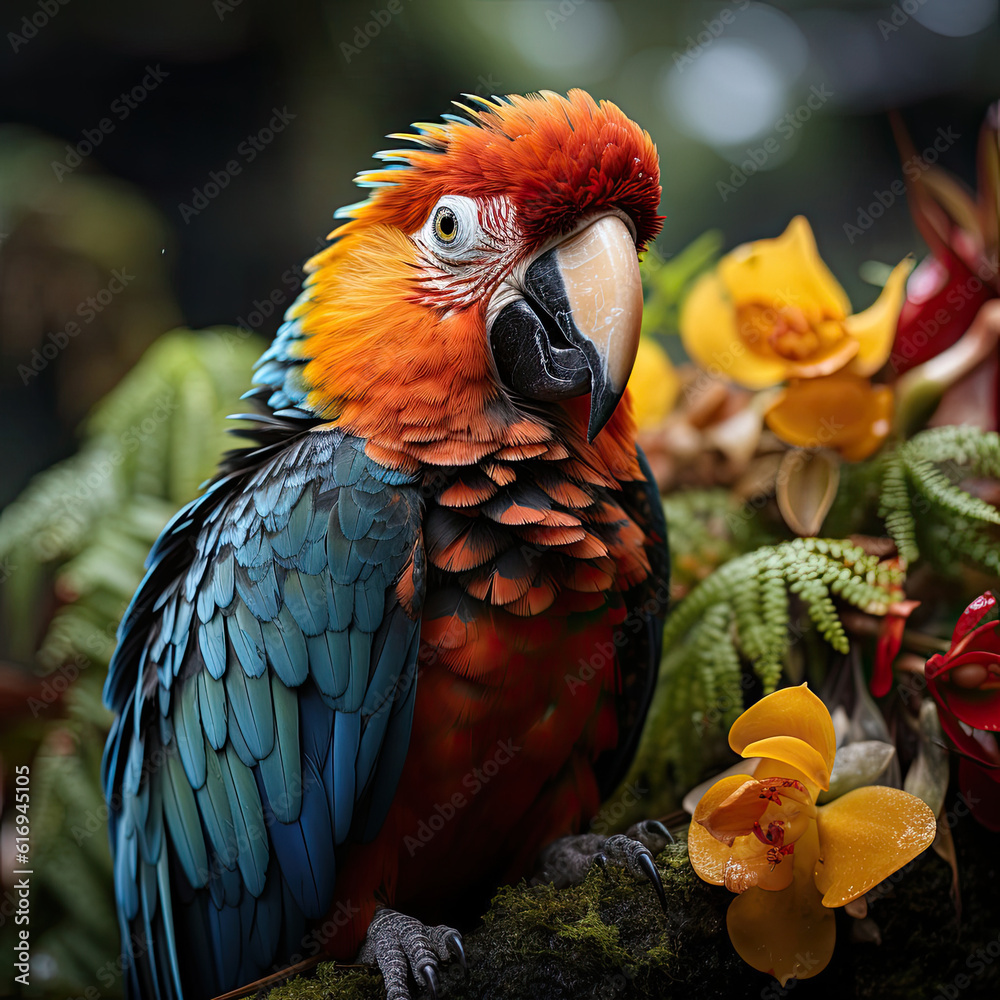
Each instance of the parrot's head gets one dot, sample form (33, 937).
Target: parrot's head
(487, 290)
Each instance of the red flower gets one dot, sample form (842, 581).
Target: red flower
(890, 638)
(947, 290)
(965, 683)
(942, 299)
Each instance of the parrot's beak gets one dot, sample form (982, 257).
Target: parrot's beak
(572, 324)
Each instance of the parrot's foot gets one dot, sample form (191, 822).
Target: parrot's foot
(402, 946)
(567, 860)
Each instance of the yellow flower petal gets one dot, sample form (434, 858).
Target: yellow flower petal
(875, 328)
(787, 270)
(768, 767)
(708, 330)
(793, 751)
(708, 856)
(748, 867)
(865, 836)
(786, 933)
(842, 412)
(792, 711)
(653, 384)
(824, 362)
(736, 814)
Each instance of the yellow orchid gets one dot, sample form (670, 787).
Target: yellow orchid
(653, 384)
(793, 862)
(772, 311)
(843, 412)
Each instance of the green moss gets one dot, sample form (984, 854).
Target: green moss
(606, 937)
(332, 980)
(609, 938)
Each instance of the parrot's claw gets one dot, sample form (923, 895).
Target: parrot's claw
(402, 946)
(567, 860)
(453, 940)
(652, 833)
(633, 855)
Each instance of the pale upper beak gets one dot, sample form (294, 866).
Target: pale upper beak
(575, 328)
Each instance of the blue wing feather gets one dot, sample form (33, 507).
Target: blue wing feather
(264, 685)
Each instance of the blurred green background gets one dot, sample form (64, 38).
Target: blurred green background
(714, 83)
(175, 164)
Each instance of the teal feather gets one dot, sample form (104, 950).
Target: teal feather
(250, 702)
(340, 605)
(223, 582)
(213, 804)
(305, 597)
(346, 739)
(212, 644)
(248, 821)
(181, 814)
(280, 770)
(330, 663)
(190, 734)
(286, 648)
(214, 708)
(245, 638)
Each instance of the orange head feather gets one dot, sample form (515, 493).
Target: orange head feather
(389, 338)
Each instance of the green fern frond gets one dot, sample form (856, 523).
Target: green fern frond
(742, 611)
(921, 496)
(77, 538)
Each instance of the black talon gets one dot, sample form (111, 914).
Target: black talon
(646, 864)
(430, 978)
(457, 951)
(601, 859)
(657, 827)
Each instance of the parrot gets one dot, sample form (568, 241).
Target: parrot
(404, 642)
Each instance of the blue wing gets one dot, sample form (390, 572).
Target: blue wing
(264, 684)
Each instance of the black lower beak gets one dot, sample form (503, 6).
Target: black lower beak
(576, 328)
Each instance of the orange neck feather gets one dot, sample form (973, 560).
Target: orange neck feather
(418, 384)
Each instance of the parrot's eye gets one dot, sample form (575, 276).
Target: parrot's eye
(453, 227)
(445, 225)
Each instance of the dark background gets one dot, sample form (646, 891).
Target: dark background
(710, 108)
